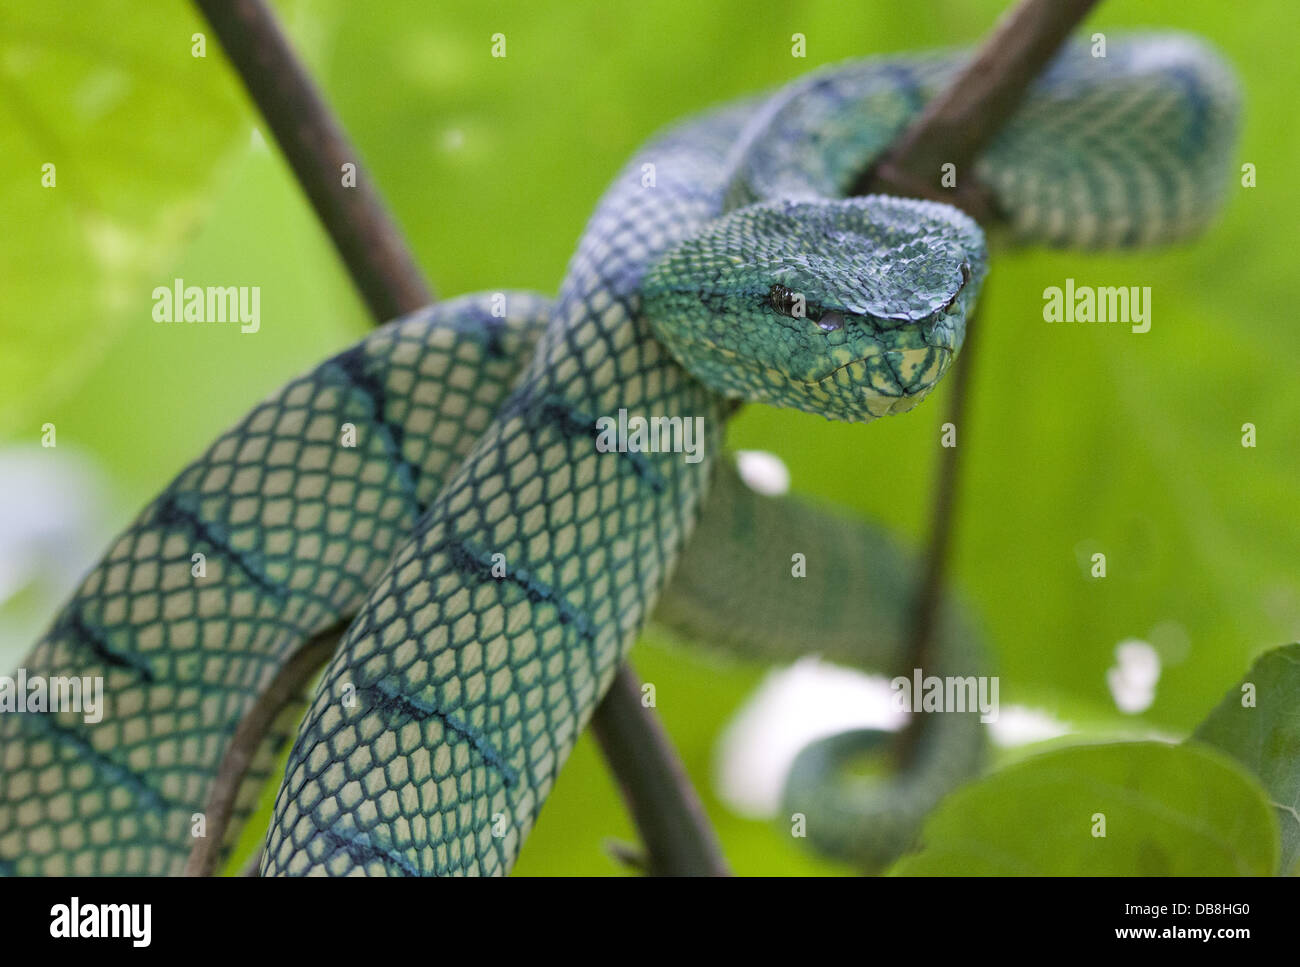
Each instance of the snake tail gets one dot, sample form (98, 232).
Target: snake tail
(853, 607)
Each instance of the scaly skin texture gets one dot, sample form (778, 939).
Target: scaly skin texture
(461, 343)
(480, 649)
(295, 529)
(458, 693)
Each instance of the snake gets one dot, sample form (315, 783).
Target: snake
(432, 512)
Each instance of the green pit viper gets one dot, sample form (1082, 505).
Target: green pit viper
(488, 565)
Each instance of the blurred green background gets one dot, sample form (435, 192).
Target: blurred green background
(1079, 439)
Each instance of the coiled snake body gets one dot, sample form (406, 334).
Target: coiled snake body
(499, 563)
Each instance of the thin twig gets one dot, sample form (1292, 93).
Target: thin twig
(316, 147)
(952, 129)
(254, 865)
(925, 606)
(674, 829)
(382, 268)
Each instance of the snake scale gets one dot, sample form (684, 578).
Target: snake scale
(488, 565)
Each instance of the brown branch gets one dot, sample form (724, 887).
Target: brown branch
(962, 119)
(639, 753)
(925, 606)
(945, 497)
(314, 144)
(254, 865)
(673, 826)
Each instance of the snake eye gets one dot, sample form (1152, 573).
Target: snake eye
(830, 321)
(785, 301)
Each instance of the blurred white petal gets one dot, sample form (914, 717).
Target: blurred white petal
(1132, 680)
(808, 700)
(764, 473)
(1139, 661)
(53, 525)
(1020, 725)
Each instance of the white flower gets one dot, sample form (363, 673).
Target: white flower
(1133, 678)
(764, 473)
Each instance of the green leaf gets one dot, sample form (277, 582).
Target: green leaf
(110, 131)
(1264, 736)
(1169, 810)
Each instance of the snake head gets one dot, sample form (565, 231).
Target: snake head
(848, 308)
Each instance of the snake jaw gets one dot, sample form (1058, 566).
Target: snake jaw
(895, 362)
(883, 371)
(882, 383)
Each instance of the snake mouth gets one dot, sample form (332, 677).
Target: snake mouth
(860, 361)
(912, 369)
(891, 372)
